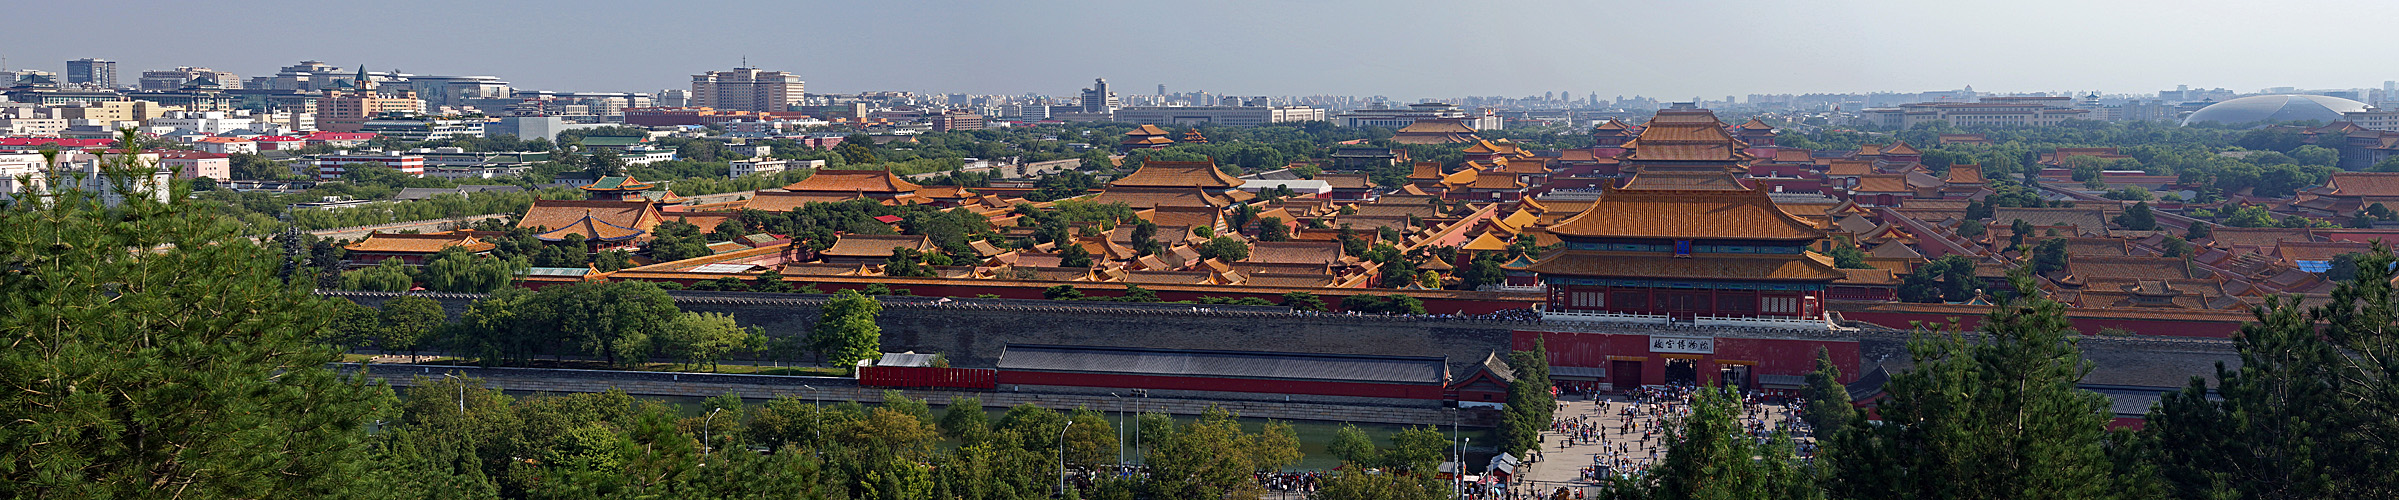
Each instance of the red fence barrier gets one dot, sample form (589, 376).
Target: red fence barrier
(917, 377)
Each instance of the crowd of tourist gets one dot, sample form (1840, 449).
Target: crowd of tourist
(1302, 483)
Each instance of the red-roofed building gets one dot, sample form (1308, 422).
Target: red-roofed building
(34, 143)
(279, 142)
(225, 145)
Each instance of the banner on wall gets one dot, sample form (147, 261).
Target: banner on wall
(1682, 345)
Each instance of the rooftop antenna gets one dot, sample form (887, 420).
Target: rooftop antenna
(745, 60)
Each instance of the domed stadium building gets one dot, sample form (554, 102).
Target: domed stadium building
(2275, 109)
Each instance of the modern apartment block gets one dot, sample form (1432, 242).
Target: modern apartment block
(746, 89)
(340, 111)
(98, 72)
(173, 79)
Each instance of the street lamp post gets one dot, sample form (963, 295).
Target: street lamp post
(706, 424)
(1120, 432)
(1462, 465)
(817, 410)
(1062, 456)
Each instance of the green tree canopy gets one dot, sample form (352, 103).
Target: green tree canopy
(154, 353)
(847, 331)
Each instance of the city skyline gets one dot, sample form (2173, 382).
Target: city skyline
(1397, 50)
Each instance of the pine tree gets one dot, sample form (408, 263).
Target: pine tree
(2359, 322)
(1709, 456)
(1999, 416)
(2272, 433)
(1828, 405)
(1530, 406)
(153, 352)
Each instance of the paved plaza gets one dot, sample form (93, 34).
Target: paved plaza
(1614, 433)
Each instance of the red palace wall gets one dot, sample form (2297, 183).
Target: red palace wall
(2198, 325)
(1765, 356)
(1169, 382)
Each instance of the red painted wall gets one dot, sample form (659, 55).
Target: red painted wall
(1169, 382)
(1773, 356)
(927, 376)
(2086, 324)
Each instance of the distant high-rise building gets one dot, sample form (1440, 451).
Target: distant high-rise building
(99, 72)
(674, 98)
(1161, 89)
(308, 75)
(746, 89)
(1098, 99)
(10, 78)
(173, 79)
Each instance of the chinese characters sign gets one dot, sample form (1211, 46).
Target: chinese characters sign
(1683, 345)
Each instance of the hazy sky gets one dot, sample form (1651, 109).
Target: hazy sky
(1405, 49)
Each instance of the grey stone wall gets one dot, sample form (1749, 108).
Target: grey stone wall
(973, 332)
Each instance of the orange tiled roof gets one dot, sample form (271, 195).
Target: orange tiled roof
(1487, 242)
(1462, 177)
(1868, 277)
(1964, 174)
(2360, 184)
(1294, 252)
(1614, 124)
(1142, 198)
(1849, 168)
(2294, 251)
(1686, 214)
(945, 192)
(1435, 131)
(418, 243)
(1685, 135)
(1684, 180)
(1147, 129)
(2100, 267)
(854, 181)
(554, 214)
(1754, 124)
(1526, 166)
(1496, 181)
(1482, 147)
(1750, 267)
(1901, 148)
(876, 245)
(592, 229)
(1882, 183)
(772, 201)
(1200, 174)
